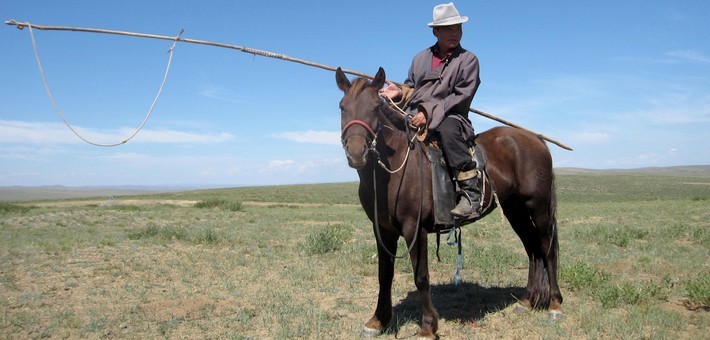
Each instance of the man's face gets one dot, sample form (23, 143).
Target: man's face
(448, 36)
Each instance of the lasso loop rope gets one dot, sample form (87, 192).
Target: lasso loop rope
(59, 112)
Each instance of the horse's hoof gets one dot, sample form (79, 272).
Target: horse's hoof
(556, 315)
(426, 337)
(520, 309)
(368, 332)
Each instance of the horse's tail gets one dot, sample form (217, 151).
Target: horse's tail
(553, 212)
(552, 205)
(541, 296)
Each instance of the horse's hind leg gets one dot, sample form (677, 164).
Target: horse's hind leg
(536, 228)
(385, 275)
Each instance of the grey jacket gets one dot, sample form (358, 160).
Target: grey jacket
(447, 90)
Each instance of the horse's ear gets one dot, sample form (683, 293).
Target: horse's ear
(342, 80)
(379, 81)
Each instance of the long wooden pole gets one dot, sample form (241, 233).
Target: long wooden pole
(21, 25)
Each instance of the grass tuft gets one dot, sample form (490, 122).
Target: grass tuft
(701, 235)
(697, 291)
(172, 233)
(620, 236)
(167, 233)
(611, 296)
(128, 208)
(329, 239)
(219, 203)
(6, 208)
(582, 276)
(208, 236)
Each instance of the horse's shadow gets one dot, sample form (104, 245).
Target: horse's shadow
(464, 303)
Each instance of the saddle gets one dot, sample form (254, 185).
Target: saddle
(444, 186)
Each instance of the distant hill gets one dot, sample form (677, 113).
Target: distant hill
(685, 170)
(26, 193)
(21, 193)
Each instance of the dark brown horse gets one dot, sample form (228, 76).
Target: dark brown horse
(400, 203)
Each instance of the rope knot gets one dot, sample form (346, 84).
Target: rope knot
(19, 26)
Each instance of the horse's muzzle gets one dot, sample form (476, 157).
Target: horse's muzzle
(356, 148)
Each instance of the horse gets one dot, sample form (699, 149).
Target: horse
(376, 138)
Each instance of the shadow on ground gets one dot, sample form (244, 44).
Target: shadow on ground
(463, 303)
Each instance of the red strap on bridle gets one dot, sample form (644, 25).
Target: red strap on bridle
(358, 122)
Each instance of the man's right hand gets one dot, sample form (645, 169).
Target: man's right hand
(391, 91)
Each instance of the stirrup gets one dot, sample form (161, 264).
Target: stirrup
(474, 205)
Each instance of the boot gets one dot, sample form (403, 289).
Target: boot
(469, 204)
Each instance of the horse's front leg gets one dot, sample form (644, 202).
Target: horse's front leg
(420, 263)
(385, 274)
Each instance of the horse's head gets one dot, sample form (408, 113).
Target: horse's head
(358, 110)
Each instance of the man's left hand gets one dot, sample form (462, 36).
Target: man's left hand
(419, 120)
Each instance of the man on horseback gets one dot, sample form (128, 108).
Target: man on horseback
(437, 94)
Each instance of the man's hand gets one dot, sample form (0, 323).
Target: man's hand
(419, 120)
(391, 91)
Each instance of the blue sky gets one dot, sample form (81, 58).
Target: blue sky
(625, 83)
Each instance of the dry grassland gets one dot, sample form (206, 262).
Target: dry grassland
(298, 262)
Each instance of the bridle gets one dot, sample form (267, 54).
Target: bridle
(372, 133)
(372, 149)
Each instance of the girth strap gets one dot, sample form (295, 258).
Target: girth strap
(456, 233)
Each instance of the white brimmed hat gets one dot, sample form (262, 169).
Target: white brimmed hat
(445, 15)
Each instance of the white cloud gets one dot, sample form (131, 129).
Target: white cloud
(680, 117)
(20, 132)
(300, 167)
(310, 136)
(208, 172)
(591, 138)
(690, 55)
(180, 137)
(220, 93)
(126, 157)
(281, 164)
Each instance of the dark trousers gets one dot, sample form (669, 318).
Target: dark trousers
(457, 137)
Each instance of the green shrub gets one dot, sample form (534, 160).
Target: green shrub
(208, 236)
(611, 296)
(232, 206)
(6, 208)
(209, 203)
(624, 235)
(167, 233)
(620, 236)
(581, 275)
(219, 203)
(701, 235)
(697, 291)
(329, 239)
(608, 295)
(129, 207)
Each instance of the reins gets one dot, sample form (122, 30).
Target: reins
(409, 144)
(373, 151)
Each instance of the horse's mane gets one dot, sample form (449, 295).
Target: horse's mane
(390, 113)
(358, 85)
